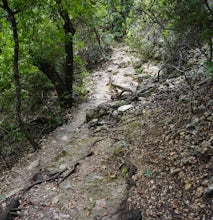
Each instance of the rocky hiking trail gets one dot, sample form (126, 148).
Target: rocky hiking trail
(133, 150)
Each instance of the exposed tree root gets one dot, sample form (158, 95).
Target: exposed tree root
(10, 212)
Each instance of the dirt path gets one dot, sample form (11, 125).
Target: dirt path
(140, 152)
(92, 192)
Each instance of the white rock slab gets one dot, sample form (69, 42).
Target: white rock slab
(124, 108)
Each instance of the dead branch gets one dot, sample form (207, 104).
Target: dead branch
(56, 176)
(69, 173)
(74, 167)
(11, 210)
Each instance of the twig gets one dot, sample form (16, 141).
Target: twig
(69, 173)
(95, 142)
(12, 207)
(57, 175)
(76, 164)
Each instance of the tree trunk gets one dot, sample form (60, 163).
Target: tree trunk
(13, 23)
(69, 32)
(59, 85)
(210, 49)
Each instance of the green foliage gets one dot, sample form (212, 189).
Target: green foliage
(80, 92)
(209, 66)
(169, 27)
(80, 89)
(14, 133)
(54, 119)
(117, 13)
(117, 151)
(124, 170)
(41, 30)
(147, 173)
(7, 98)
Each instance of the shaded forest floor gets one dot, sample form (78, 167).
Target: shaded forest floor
(135, 146)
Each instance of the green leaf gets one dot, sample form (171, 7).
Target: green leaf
(147, 173)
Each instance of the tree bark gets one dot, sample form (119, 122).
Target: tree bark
(210, 49)
(56, 80)
(13, 23)
(69, 32)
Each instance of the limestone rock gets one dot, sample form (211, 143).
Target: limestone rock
(175, 171)
(34, 164)
(188, 186)
(137, 63)
(183, 98)
(199, 191)
(124, 108)
(97, 112)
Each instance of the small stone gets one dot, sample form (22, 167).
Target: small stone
(34, 164)
(63, 166)
(100, 204)
(123, 64)
(181, 174)
(55, 200)
(137, 63)
(93, 122)
(207, 114)
(115, 113)
(195, 121)
(124, 108)
(205, 183)
(188, 186)
(175, 171)
(199, 191)
(201, 107)
(183, 98)
(182, 133)
(67, 186)
(205, 150)
(210, 118)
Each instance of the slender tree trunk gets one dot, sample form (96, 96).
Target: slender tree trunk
(210, 49)
(69, 32)
(13, 23)
(53, 76)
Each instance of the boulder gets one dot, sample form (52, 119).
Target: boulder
(97, 112)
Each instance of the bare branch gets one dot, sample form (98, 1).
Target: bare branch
(208, 7)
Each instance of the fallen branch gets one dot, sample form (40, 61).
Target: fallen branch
(56, 176)
(69, 173)
(10, 211)
(75, 165)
